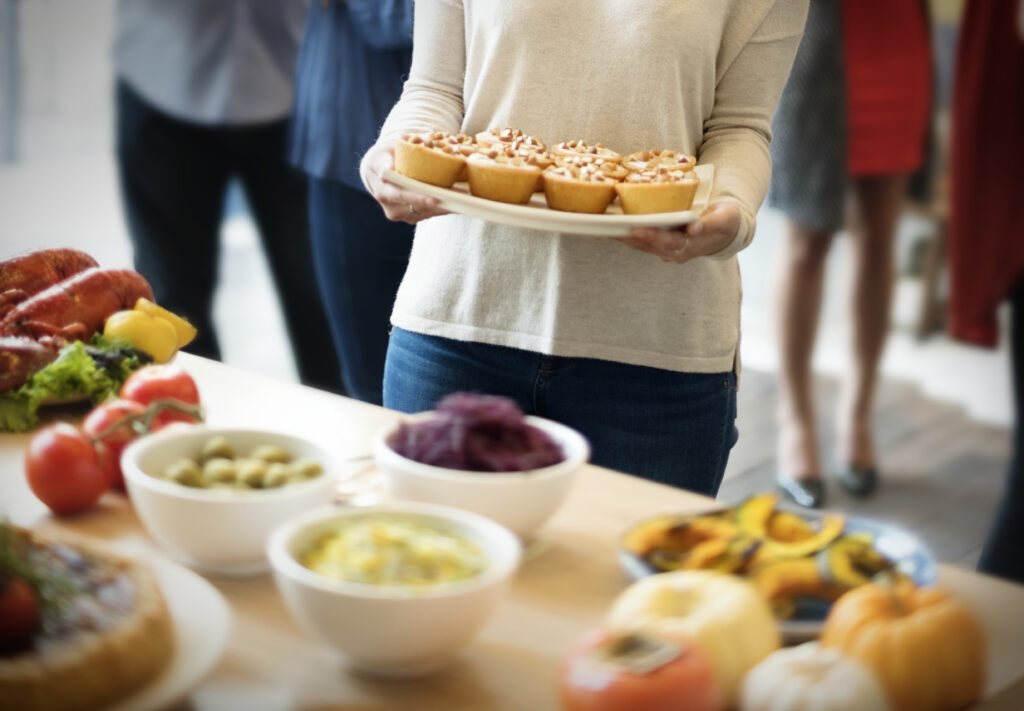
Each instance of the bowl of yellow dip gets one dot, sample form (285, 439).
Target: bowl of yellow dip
(398, 589)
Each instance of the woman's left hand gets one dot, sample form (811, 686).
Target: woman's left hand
(713, 232)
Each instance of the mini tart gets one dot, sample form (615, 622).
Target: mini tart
(509, 137)
(585, 188)
(648, 160)
(504, 175)
(433, 157)
(582, 148)
(662, 189)
(112, 636)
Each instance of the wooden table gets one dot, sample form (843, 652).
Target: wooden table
(271, 664)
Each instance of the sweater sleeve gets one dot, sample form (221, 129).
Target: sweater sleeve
(738, 131)
(432, 96)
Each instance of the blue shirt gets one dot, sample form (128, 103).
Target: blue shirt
(354, 58)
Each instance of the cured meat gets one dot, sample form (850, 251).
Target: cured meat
(20, 357)
(76, 307)
(24, 275)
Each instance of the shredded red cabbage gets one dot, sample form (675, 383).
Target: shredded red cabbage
(472, 432)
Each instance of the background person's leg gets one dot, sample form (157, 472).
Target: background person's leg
(799, 287)
(360, 258)
(173, 179)
(876, 203)
(1002, 555)
(277, 196)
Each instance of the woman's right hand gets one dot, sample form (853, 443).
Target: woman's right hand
(400, 205)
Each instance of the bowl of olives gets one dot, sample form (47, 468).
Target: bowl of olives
(211, 496)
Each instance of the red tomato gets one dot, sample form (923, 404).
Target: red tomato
(601, 673)
(103, 420)
(19, 614)
(162, 382)
(64, 470)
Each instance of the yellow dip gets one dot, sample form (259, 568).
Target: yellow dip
(387, 550)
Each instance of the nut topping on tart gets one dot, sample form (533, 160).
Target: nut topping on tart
(610, 168)
(104, 631)
(648, 160)
(582, 148)
(509, 137)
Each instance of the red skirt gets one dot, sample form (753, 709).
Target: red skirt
(887, 54)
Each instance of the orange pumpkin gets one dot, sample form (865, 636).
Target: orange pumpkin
(925, 646)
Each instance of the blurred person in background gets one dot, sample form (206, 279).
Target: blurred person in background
(850, 130)
(354, 58)
(204, 92)
(986, 228)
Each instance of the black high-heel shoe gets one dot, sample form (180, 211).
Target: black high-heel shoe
(859, 481)
(809, 493)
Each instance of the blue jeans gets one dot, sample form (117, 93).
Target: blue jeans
(674, 428)
(360, 257)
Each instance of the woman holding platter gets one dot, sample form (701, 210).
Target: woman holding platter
(631, 341)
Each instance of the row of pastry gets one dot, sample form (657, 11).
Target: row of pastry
(507, 165)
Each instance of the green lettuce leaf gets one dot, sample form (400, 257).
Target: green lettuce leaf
(93, 371)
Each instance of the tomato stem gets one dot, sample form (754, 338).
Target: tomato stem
(142, 423)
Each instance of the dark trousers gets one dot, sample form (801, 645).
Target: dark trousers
(360, 259)
(174, 177)
(1004, 550)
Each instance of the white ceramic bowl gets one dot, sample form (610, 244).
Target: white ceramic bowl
(521, 501)
(219, 531)
(391, 630)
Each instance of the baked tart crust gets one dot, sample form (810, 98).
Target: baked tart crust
(111, 637)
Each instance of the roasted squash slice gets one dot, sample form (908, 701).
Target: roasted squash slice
(831, 528)
(789, 527)
(852, 560)
(783, 581)
(753, 514)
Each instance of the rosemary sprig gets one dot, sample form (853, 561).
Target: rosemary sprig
(53, 590)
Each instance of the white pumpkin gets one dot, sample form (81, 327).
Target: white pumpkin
(811, 678)
(723, 615)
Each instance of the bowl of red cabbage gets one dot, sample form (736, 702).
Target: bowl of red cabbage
(482, 454)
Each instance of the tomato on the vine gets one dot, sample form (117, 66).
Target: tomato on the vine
(64, 469)
(19, 613)
(624, 671)
(162, 382)
(111, 427)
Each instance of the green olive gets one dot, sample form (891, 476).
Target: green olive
(303, 469)
(219, 471)
(185, 472)
(251, 472)
(277, 475)
(217, 447)
(272, 453)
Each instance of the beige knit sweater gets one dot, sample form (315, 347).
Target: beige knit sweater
(700, 76)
